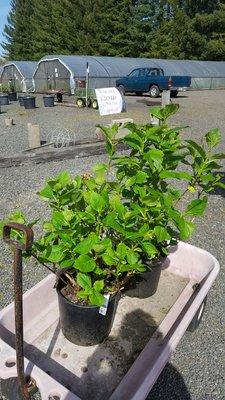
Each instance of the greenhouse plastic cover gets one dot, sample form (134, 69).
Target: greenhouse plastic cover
(107, 67)
(26, 68)
(119, 66)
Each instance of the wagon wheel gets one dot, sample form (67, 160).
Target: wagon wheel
(80, 103)
(95, 104)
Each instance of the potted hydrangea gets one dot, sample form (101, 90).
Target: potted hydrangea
(110, 230)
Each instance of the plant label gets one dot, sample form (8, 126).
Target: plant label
(103, 309)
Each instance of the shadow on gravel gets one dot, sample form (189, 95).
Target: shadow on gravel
(169, 386)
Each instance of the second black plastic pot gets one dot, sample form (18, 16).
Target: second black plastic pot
(20, 98)
(4, 99)
(145, 284)
(29, 102)
(48, 100)
(84, 325)
(13, 96)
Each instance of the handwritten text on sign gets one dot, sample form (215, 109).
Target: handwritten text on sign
(110, 101)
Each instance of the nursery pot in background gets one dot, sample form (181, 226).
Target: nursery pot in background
(49, 100)
(29, 102)
(20, 98)
(145, 284)
(4, 99)
(13, 96)
(84, 325)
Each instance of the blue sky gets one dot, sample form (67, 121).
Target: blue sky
(4, 10)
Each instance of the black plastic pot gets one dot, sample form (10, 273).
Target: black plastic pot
(83, 325)
(4, 99)
(13, 96)
(145, 284)
(48, 100)
(20, 98)
(29, 102)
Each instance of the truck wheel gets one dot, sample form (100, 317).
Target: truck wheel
(173, 93)
(154, 91)
(198, 317)
(121, 89)
(80, 103)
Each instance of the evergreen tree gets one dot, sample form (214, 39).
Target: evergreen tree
(144, 20)
(18, 30)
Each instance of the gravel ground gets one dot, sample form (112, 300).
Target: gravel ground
(197, 369)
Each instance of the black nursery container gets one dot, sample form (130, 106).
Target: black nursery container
(84, 325)
(13, 96)
(48, 100)
(20, 98)
(4, 99)
(29, 102)
(145, 284)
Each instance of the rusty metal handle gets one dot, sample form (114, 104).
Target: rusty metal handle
(18, 296)
(28, 235)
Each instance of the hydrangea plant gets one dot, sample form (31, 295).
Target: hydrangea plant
(104, 226)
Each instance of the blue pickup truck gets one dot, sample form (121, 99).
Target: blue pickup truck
(152, 81)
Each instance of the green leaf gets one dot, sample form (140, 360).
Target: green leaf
(84, 281)
(82, 294)
(155, 157)
(54, 254)
(197, 147)
(141, 177)
(96, 299)
(86, 245)
(97, 202)
(111, 222)
(133, 140)
(161, 234)
(98, 285)
(213, 138)
(186, 229)
(162, 113)
(121, 250)
(84, 263)
(100, 170)
(46, 193)
(64, 178)
(17, 216)
(47, 226)
(132, 257)
(68, 215)
(220, 184)
(102, 246)
(175, 175)
(58, 219)
(197, 207)
(66, 263)
(116, 204)
(110, 257)
(150, 249)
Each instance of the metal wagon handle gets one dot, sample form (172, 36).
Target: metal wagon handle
(17, 248)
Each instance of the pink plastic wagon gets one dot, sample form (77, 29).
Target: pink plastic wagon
(144, 335)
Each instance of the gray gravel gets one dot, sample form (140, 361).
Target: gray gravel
(197, 369)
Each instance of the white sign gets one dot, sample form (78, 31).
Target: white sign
(110, 101)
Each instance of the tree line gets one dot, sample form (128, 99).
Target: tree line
(175, 29)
